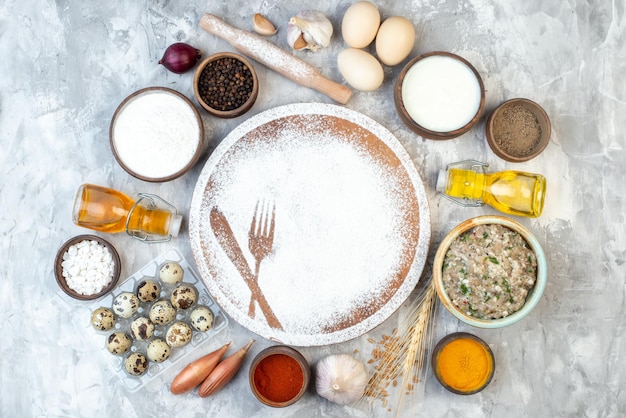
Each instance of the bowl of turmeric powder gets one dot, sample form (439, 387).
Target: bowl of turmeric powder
(463, 363)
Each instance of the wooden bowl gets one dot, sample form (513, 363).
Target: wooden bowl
(457, 95)
(501, 117)
(294, 356)
(229, 113)
(58, 268)
(154, 155)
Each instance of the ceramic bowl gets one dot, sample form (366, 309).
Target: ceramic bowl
(534, 295)
(58, 267)
(259, 363)
(453, 92)
(501, 116)
(156, 134)
(199, 89)
(461, 386)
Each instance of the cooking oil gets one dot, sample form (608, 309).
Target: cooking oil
(512, 192)
(103, 209)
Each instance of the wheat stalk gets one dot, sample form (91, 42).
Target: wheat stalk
(399, 359)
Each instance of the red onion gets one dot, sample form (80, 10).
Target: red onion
(180, 57)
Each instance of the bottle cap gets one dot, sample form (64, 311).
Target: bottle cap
(442, 179)
(177, 220)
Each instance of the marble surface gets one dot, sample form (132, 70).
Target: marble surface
(66, 66)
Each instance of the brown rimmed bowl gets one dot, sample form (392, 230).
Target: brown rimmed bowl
(416, 127)
(232, 113)
(155, 154)
(58, 268)
(488, 357)
(534, 294)
(296, 357)
(498, 116)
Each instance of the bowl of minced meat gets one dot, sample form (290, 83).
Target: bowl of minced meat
(490, 271)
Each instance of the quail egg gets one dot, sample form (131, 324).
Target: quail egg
(125, 304)
(102, 319)
(171, 273)
(184, 296)
(136, 364)
(158, 350)
(178, 334)
(201, 318)
(148, 290)
(142, 328)
(162, 312)
(118, 343)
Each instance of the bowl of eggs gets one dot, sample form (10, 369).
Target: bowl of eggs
(393, 40)
(439, 95)
(490, 271)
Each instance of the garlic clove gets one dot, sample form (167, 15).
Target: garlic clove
(341, 378)
(262, 25)
(309, 26)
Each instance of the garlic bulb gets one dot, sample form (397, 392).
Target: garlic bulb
(309, 29)
(340, 378)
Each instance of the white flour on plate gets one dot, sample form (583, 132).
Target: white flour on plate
(340, 229)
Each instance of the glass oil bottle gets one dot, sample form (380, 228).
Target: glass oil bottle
(150, 218)
(512, 192)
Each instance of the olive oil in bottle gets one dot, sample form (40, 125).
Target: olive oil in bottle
(512, 192)
(149, 218)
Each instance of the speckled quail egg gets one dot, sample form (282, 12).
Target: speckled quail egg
(102, 319)
(136, 364)
(201, 318)
(184, 296)
(148, 290)
(158, 350)
(118, 343)
(178, 334)
(171, 273)
(162, 312)
(141, 328)
(125, 304)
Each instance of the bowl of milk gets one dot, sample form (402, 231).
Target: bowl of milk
(439, 95)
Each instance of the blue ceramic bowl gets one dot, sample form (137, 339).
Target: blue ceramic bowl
(534, 295)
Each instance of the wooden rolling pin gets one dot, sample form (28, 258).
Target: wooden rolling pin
(275, 58)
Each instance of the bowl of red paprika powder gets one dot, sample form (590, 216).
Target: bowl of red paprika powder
(279, 376)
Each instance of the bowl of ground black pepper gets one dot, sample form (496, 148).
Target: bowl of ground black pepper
(518, 130)
(226, 85)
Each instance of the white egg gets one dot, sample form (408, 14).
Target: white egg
(360, 24)
(395, 40)
(360, 69)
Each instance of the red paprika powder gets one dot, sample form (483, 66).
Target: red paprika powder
(278, 377)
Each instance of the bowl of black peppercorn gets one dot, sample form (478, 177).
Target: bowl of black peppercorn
(226, 85)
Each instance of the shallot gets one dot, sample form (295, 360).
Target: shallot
(224, 372)
(180, 57)
(195, 372)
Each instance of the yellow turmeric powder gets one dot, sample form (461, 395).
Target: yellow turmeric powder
(465, 365)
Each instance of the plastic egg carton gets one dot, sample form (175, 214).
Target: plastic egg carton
(151, 272)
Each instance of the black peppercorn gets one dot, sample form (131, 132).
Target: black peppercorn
(225, 84)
